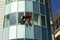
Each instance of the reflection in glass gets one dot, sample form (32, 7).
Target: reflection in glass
(43, 20)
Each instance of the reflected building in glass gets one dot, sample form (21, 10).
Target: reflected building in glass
(27, 20)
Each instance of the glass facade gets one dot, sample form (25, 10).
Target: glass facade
(43, 23)
(37, 32)
(42, 9)
(48, 19)
(26, 20)
(36, 19)
(12, 18)
(6, 21)
(35, 8)
(7, 9)
(19, 16)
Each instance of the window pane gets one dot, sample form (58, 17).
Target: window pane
(13, 7)
(44, 33)
(8, 1)
(36, 19)
(5, 33)
(6, 20)
(43, 20)
(12, 19)
(21, 39)
(36, 7)
(37, 32)
(29, 6)
(7, 9)
(35, 39)
(18, 39)
(29, 39)
(28, 0)
(13, 0)
(13, 39)
(24, 19)
(42, 9)
(21, 6)
(19, 17)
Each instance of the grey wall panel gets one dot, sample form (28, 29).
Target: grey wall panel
(29, 32)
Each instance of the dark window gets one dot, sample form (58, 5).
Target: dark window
(59, 21)
(28, 39)
(12, 19)
(42, 9)
(43, 20)
(57, 26)
(13, 39)
(35, 39)
(42, 1)
(24, 19)
(21, 17)
(6, 21)
(18, 39)
(37, 0)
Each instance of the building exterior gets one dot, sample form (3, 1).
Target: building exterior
(27, 20)
(56, 22)
(2, 2)
(51, 25)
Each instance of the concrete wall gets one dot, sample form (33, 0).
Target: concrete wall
(1, 17)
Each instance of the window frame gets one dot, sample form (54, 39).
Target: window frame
(45, 22)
